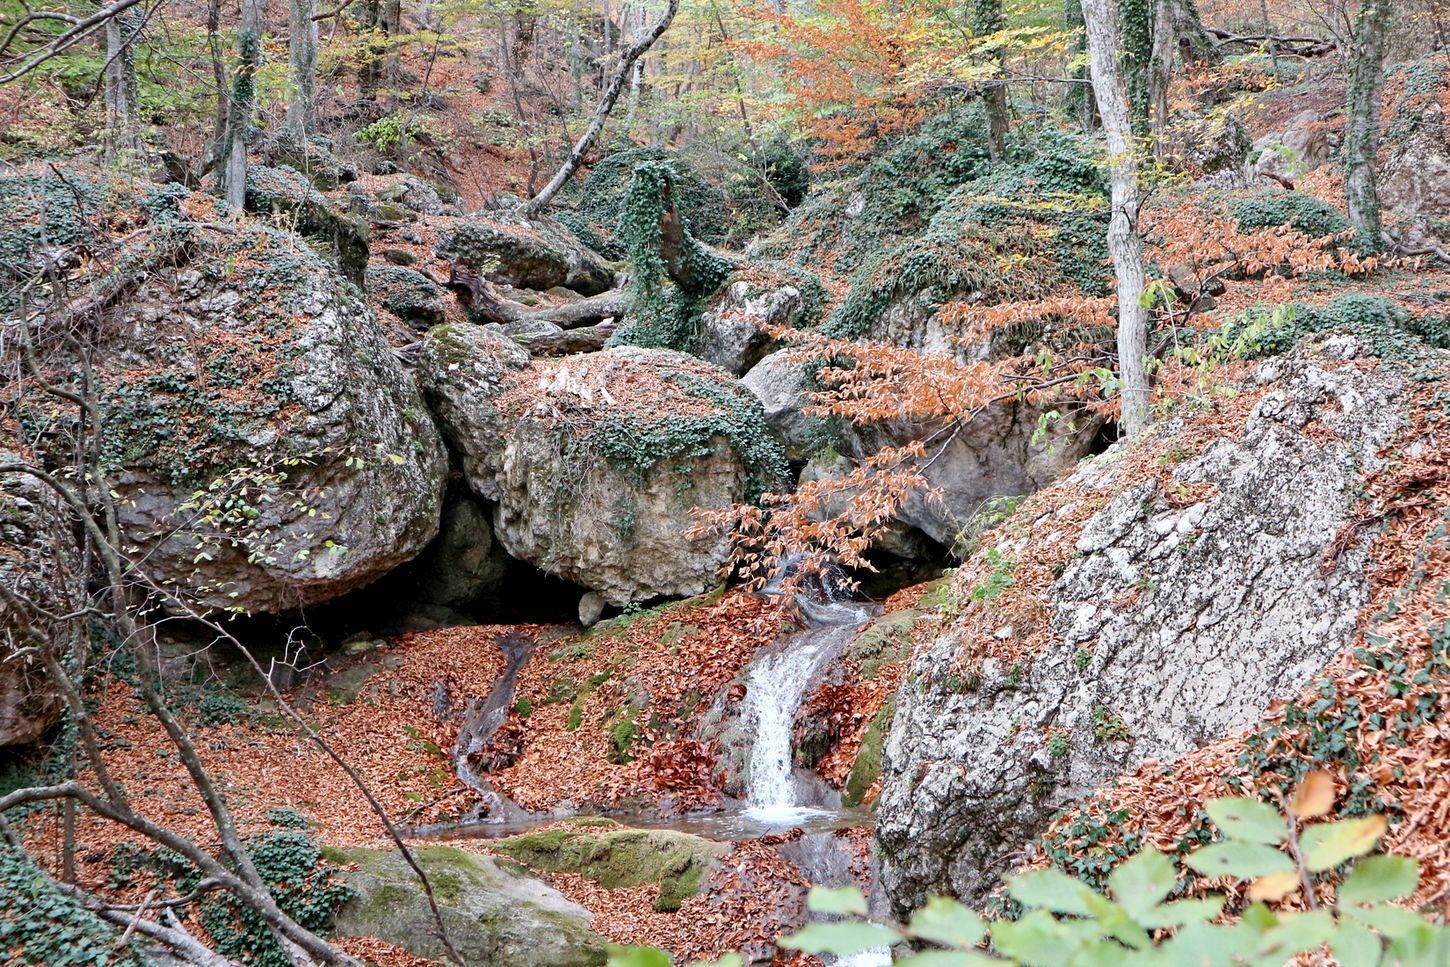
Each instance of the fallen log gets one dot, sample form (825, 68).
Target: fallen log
(480, 296)
(567, 342)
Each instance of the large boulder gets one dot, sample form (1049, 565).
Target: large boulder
(538, 253)
(597, 462)
(494, 913)
(269, 450)
(781, 382)
(283, 191)
(1161, 597)
(734, 327)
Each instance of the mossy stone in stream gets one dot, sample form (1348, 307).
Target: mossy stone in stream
(621, 857)
(495, 913)
(867, 768)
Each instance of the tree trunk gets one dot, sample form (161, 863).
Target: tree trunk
(302, 62)
(1104, 33)
(1160, 73)
(217, 150)
(239, 115)
(601, 113)
(1361, 130)
(987, 19)
(123, 138)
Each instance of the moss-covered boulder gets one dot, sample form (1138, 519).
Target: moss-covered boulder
(597, 462)
(615, 856)
(536, 253)
(493, 914)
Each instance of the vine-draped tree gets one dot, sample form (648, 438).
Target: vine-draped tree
(1361, 130)
(243, 100)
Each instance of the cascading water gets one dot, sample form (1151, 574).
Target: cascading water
(775, 688)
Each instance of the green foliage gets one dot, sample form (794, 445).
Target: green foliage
(41, 925)
(1290, 209)
(406, 293)
(604, 197)
(892, 196)
(304, 886)
(399, 130)
(667, 314)
(1392, 332)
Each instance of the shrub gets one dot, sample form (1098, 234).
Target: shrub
(1292, 209)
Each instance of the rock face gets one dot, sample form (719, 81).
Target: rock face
(493, 915)
(1184, 606)
(597, 462)
(1416, 175)
(302, 403)
(780, 384)
(1306, 142)
(732, 328)
(36, 551)
(532, 254)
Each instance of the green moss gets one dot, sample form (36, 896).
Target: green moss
(1391, 332)
(887, 639)
(867, 767)
(666, 314)
(620, 857)
(637, 444)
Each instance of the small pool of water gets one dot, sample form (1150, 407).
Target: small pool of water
(729, 825)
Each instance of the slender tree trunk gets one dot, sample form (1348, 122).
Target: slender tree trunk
(239, 114)
(219, 78)
(123, 138)
(601, 113)
(1160, 73)
(987, 19)
(302, 63)
(1078, 101)
(1104, 33)
(390, 20)
(1361, 131)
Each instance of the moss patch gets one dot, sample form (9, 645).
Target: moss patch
(867, 768)
(620, 857)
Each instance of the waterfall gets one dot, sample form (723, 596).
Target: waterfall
(775, 688)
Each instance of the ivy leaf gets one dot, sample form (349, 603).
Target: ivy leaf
(1248, 819)
(1274, 886)
(841, 938)
(1314, 797)
(1326, 845)
(1392, 921)
(846, 901)
(1381, 878)
(947, 922)
(1238, 859)
(1143, 881)
(1049, 890)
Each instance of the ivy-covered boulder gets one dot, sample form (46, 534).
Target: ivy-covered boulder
(537, 253)
(408, 294)
(1160, 598)
(494, 912)
(269, 450)
(285, 192)
(597, 462)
